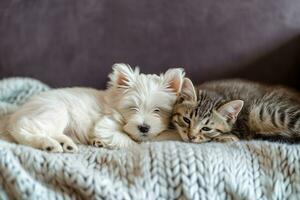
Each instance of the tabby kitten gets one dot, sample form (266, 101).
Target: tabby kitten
(230, 110)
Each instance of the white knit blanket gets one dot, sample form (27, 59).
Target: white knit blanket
(157, 170)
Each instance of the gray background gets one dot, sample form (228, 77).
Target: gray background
(75, 42)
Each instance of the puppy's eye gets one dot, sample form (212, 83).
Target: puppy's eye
(186, 120)
(206, 129)
(133, 108)
(157, 110)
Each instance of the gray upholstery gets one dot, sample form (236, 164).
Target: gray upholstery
(75, 42)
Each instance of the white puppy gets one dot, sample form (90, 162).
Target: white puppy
(135, 106)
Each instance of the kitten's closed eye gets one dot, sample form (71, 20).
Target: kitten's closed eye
(186, 120)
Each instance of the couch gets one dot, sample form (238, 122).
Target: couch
(67, 43)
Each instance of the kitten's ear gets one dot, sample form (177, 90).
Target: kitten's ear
(188, 90)
(231, 110)
(123, 75)
(174, 79)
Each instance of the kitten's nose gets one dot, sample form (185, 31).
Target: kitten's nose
(191, 137)
(144, 128)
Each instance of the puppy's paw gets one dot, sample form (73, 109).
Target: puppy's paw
(69, 147)
(96, 142)
(52, 146)
(66, 143)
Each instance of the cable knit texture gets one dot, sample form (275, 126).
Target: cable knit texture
(158, 170)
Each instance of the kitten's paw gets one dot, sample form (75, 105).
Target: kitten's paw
(52, 146)
(226, 138)
(96, 142)
(67, 143)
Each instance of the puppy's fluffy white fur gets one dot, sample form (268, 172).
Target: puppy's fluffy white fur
(58, 119)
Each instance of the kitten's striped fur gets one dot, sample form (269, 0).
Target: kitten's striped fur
(229, 110)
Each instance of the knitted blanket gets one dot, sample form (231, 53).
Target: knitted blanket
(155, 170)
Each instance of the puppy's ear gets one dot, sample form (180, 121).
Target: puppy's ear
(188, 90)
(123, 75)
(173, 78)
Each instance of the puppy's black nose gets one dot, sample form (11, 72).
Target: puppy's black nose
(144, 128)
